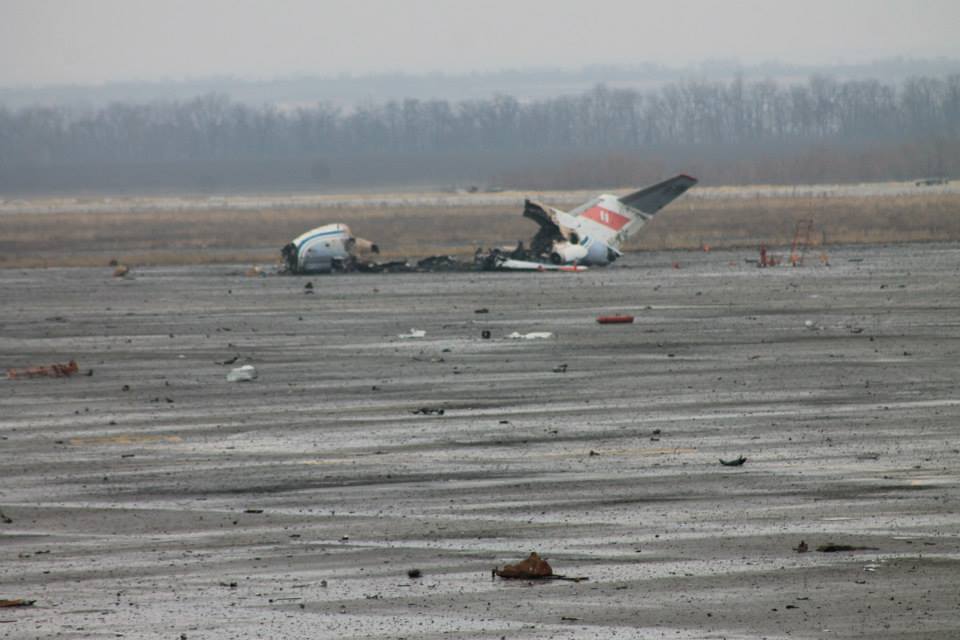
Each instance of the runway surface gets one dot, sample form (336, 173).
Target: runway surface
(154, 499)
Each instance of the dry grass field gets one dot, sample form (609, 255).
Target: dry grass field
(414, 225)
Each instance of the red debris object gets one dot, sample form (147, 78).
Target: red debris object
(615, 319)
(55, 370)
(530, 569)
(16, 602)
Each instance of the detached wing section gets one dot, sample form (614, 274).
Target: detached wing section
(652, 199)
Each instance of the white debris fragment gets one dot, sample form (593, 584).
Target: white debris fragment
(414, 333)
(533, 335)
(246, 373)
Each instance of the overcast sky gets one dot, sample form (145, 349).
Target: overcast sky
(95, 41)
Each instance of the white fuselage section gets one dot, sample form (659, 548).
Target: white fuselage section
(322, 249)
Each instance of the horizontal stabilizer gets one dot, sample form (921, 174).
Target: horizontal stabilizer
(652, 199)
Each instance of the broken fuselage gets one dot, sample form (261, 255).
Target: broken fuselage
(593, 233)
(331, 247)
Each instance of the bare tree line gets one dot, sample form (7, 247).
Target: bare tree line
(733, 121)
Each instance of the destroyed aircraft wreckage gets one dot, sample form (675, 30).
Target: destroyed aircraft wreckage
(590, 235)
(331, 247)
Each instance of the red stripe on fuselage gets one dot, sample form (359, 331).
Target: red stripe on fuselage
(606, 217)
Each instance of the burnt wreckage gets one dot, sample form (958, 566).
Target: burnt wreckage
(590, 235)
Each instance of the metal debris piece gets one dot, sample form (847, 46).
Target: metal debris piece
(532, 568)
(834, 548)
(55, 370)
(17, 602)
(443, 263)
(246, 373)
(738, 462)
(428, 411)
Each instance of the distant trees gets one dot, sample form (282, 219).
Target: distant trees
(695, 119)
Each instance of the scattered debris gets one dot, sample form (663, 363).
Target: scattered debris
(55, 370)
(254, 272)
(533, 335)
(428, 411)
(253, 510)
(5, 518)
(802, 547)
(482, 310)
(121, 271)
(16, 602)
(485, 334)
(442, 263)
(414, 333)
(834, 548)
(532, 568)
(615, 319)
(738, 462)
(414, 573)
(246, 373)
(560, 368)
(228, 361)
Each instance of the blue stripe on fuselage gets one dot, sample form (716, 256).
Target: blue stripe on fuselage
(320, 235)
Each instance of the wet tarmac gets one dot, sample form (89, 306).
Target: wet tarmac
(154, 499)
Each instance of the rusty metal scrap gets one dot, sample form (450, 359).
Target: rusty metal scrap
(55, 370)
(16, 602)
(534, 567)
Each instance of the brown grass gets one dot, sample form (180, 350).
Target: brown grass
(195, 237)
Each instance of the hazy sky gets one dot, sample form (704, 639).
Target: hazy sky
(93, 41)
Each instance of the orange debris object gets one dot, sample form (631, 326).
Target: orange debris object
(615, 319)
(55, 370)
(533, 567)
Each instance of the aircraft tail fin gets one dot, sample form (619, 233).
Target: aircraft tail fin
(652, 199)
